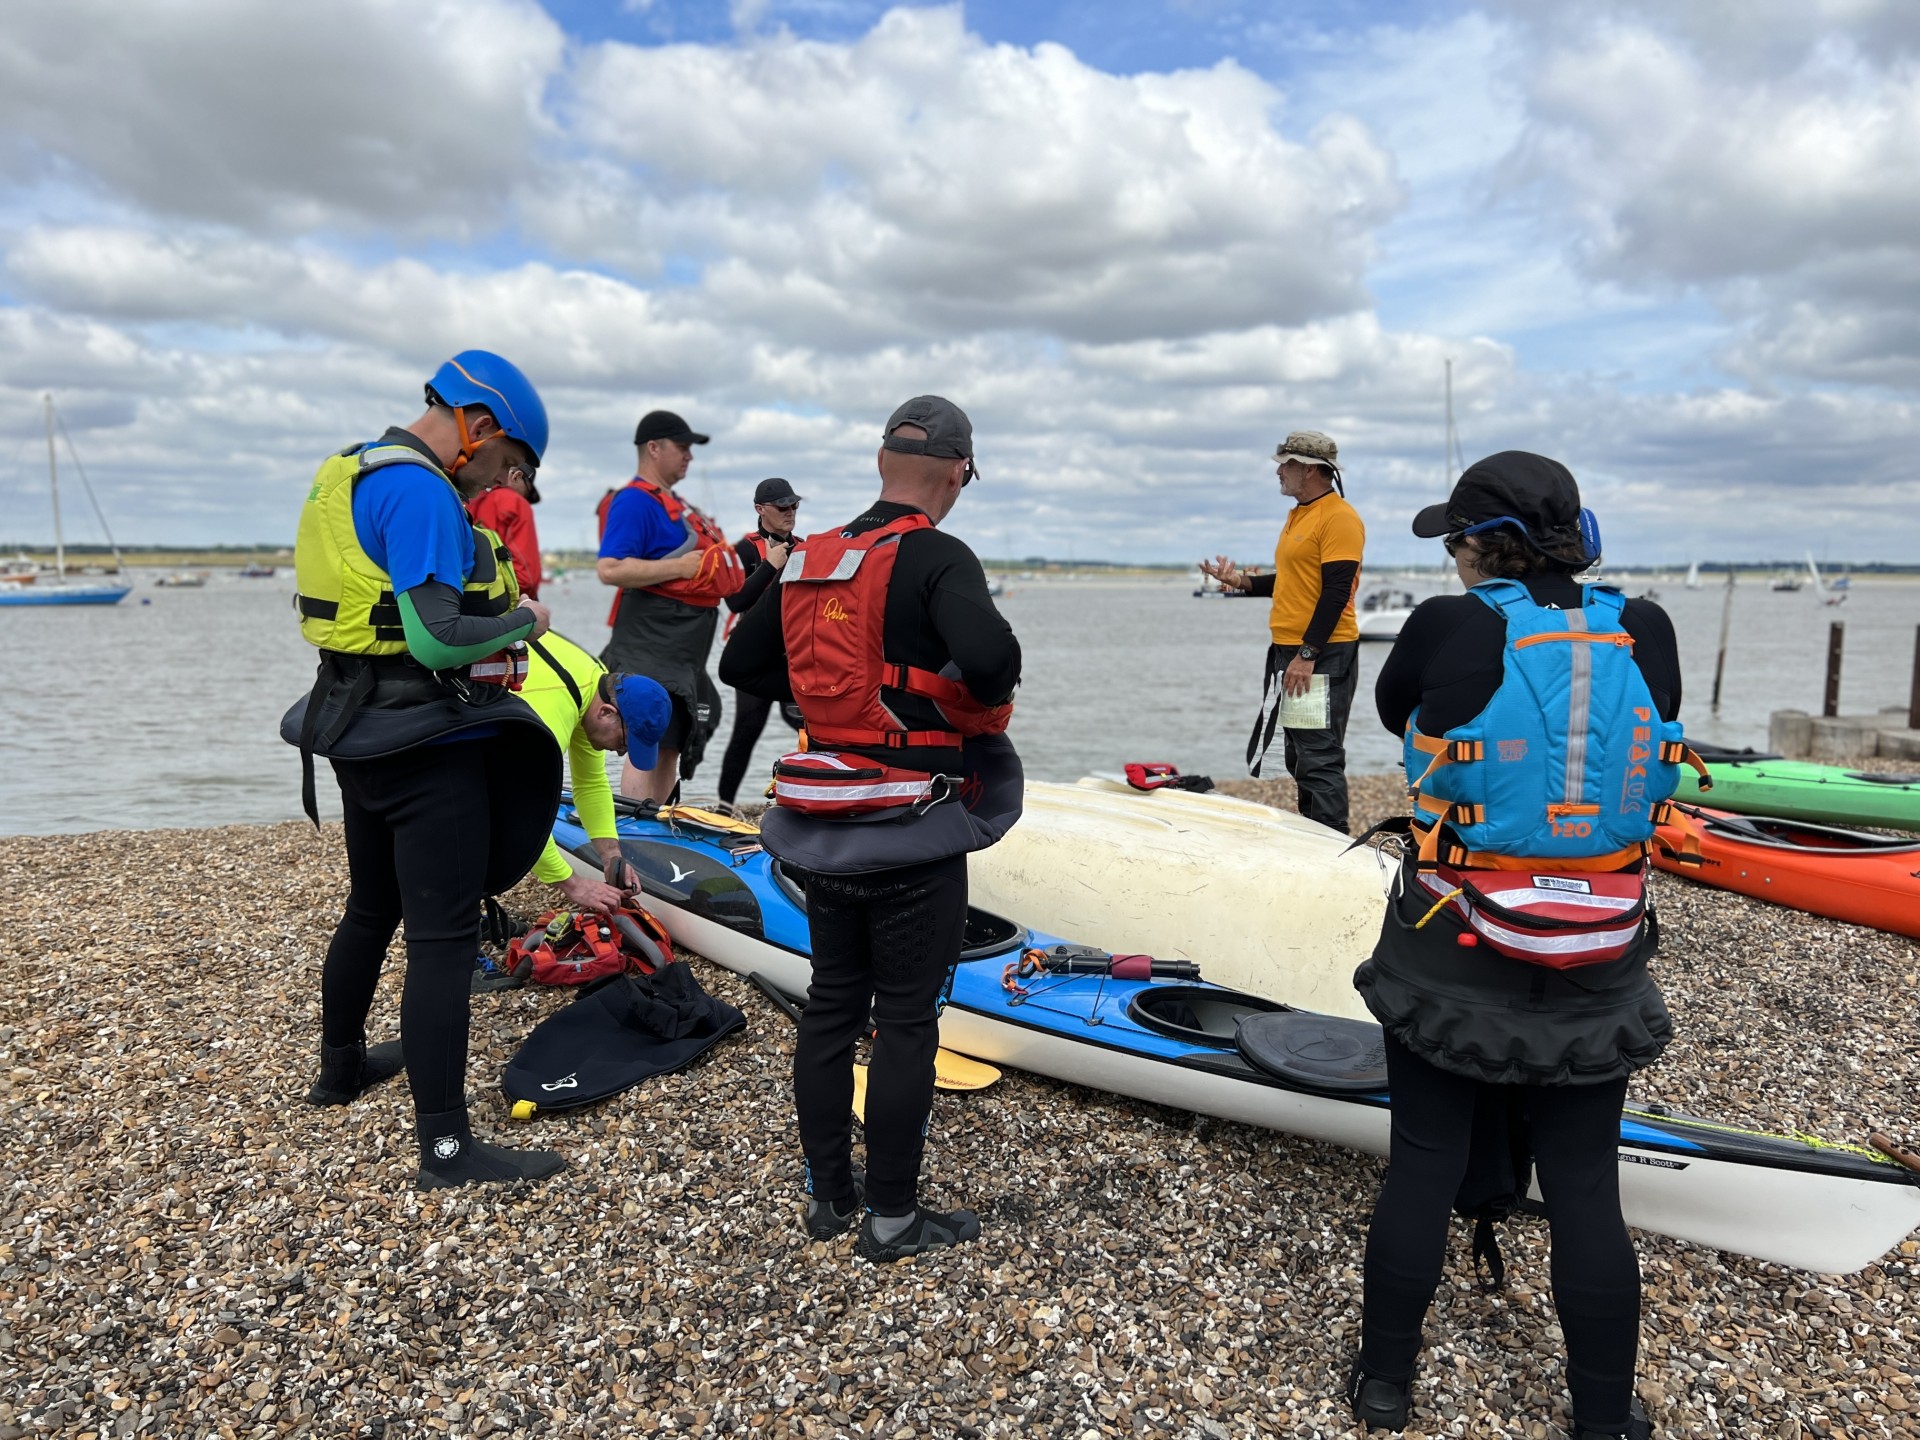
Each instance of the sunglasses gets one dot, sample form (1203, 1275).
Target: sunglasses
(968, 478)
(784, 509)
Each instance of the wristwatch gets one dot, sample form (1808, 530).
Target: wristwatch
(1309, 653)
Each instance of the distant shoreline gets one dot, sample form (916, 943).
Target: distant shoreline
(281, 557)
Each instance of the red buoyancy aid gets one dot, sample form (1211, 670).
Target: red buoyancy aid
(720, 573)
(758, 542)
(577, 947)
(833, 601)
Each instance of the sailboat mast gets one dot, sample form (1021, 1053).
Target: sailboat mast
(1446, 467)
(53, 480)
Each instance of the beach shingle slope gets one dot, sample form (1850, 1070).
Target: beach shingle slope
(189, 1250)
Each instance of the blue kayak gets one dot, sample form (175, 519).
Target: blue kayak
(1185, 1043)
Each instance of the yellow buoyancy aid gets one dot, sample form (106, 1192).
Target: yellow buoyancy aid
(346, 601)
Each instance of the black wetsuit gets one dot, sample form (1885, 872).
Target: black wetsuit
(885, 941)
(1448, 663)
(750, 711)
(1317, 759)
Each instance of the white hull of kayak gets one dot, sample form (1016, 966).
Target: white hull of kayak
(1826, 1223)
(1261, 899)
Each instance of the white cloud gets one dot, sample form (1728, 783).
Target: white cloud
(1135, 283)
(404, 118)
(1767, 154)
(919, 180)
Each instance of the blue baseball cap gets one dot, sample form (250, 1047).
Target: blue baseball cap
(646, 712)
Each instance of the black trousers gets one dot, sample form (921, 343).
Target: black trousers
(883, 944)
(749, 719)
(1575, 1131)
(418, 838)
(1317, 759)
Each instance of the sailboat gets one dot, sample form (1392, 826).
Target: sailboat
(57, 591)
(1693, 575)
(1829, 595)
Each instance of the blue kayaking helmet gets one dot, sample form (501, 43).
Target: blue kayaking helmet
(480, 377)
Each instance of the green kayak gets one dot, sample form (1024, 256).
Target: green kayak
(1756, 784)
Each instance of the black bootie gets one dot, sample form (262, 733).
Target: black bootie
(1378, 1404)
(1639, 1427)
(348, 1071)
(449, 1155)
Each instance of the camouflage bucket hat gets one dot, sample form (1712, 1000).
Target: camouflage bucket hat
(1312, 447)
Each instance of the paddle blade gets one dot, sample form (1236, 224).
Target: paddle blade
(958, 1072)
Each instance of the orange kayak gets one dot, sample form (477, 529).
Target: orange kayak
(1843, 874)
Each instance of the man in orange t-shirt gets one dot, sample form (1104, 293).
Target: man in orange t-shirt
(507, 510)
(1316, 574)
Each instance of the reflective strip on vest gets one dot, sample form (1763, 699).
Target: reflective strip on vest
(1579, 710)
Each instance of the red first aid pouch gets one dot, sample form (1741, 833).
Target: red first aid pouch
(826, 782)
(1555, 919)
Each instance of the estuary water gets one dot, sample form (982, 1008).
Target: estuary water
(164, 709)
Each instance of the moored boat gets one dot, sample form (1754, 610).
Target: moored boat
(1226, 1053)
(58, 591)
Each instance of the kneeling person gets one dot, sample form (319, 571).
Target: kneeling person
(590, 713)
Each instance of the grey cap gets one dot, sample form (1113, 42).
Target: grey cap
(1311, 447)
(949, 432)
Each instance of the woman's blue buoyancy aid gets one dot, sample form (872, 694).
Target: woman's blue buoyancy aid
(1569, 760)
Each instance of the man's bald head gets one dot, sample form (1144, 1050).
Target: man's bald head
(898, 468)
(927, 482)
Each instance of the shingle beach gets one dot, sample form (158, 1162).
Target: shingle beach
(190, 1250)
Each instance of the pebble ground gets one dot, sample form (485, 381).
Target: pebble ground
(186, 1249)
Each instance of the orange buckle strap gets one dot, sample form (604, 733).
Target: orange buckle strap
(885, 739)
(1678, 752)
(1686, 851)
(1444, 752)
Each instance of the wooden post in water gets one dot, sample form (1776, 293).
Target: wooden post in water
(1836, 638)
(1726, 619)
(1913, 701)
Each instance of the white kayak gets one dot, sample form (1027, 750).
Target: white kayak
(1261, 899)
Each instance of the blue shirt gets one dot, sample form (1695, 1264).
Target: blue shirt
(413, 526)
(638, 528)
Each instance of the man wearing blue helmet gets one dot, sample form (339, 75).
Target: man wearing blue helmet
(448, 781)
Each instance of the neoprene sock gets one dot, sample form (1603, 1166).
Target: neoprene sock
(449, 1155)
(889, 1228)
(348, 1071)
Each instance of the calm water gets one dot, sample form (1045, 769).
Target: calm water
(162, 710)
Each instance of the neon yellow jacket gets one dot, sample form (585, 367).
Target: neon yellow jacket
(562, 710)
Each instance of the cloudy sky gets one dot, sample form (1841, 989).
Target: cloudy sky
(1677, 246)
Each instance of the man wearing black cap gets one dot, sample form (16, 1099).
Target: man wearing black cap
(506, 508)
(775, 507)
(868, 623)
(671, 567)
